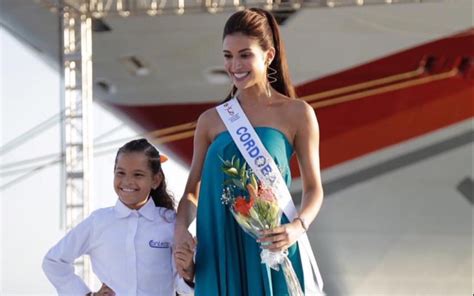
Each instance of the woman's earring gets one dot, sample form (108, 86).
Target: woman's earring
(270, 79)
(271, 75)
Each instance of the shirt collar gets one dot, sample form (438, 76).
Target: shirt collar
(147, 211)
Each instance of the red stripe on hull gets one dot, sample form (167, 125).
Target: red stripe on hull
(355, 128)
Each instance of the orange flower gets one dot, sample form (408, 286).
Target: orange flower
(242, 206)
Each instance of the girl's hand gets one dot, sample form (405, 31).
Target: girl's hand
(282, 237)
(184, 259)
(103, 291)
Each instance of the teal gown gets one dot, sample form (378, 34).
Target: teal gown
(227, 258)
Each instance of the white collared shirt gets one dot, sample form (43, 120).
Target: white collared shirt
(130, 251)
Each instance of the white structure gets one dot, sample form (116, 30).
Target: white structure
(30, 219)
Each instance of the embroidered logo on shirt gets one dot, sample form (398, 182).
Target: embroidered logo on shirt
(158, 245)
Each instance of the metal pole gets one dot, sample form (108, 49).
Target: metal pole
(77, 143)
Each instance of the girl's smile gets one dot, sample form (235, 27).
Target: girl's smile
(133, 179)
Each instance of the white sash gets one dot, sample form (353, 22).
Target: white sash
(264, 167)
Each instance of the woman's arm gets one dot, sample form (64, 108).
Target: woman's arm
(307, 151)
(188, 204)
(306, 145)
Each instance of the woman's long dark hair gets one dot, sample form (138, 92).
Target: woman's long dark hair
(261, 25)
(160, 195)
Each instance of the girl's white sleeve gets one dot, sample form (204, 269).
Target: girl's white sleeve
(58, 262)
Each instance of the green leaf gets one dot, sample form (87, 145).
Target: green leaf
(243, 175)
(223, 161)
(231, 172)
(256, 220)
(228, 182)
(253, 181)
(242, 170)
(238, 183)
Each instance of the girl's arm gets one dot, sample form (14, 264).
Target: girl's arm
(58, 262)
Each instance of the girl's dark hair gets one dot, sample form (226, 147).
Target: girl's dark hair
(261, 25)
(160, 195)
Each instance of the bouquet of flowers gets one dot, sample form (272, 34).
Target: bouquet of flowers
(255, 208)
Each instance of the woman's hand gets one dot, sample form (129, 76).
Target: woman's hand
(282, 237)
(184, 245)
(184, 259)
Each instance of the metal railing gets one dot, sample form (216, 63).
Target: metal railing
(126, 8)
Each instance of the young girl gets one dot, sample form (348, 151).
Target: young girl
(130, 244)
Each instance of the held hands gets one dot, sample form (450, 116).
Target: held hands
(282, 237)
(184, 263)
(183, 254)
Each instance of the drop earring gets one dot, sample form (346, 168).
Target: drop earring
(271, 75)
(270, 79)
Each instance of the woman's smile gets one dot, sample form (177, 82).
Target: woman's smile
(240, 76)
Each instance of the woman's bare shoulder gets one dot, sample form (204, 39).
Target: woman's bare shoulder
(210, 123)
(300, 105)
(208, 117)
(296, 109)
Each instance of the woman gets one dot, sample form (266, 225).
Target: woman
(227, 259)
